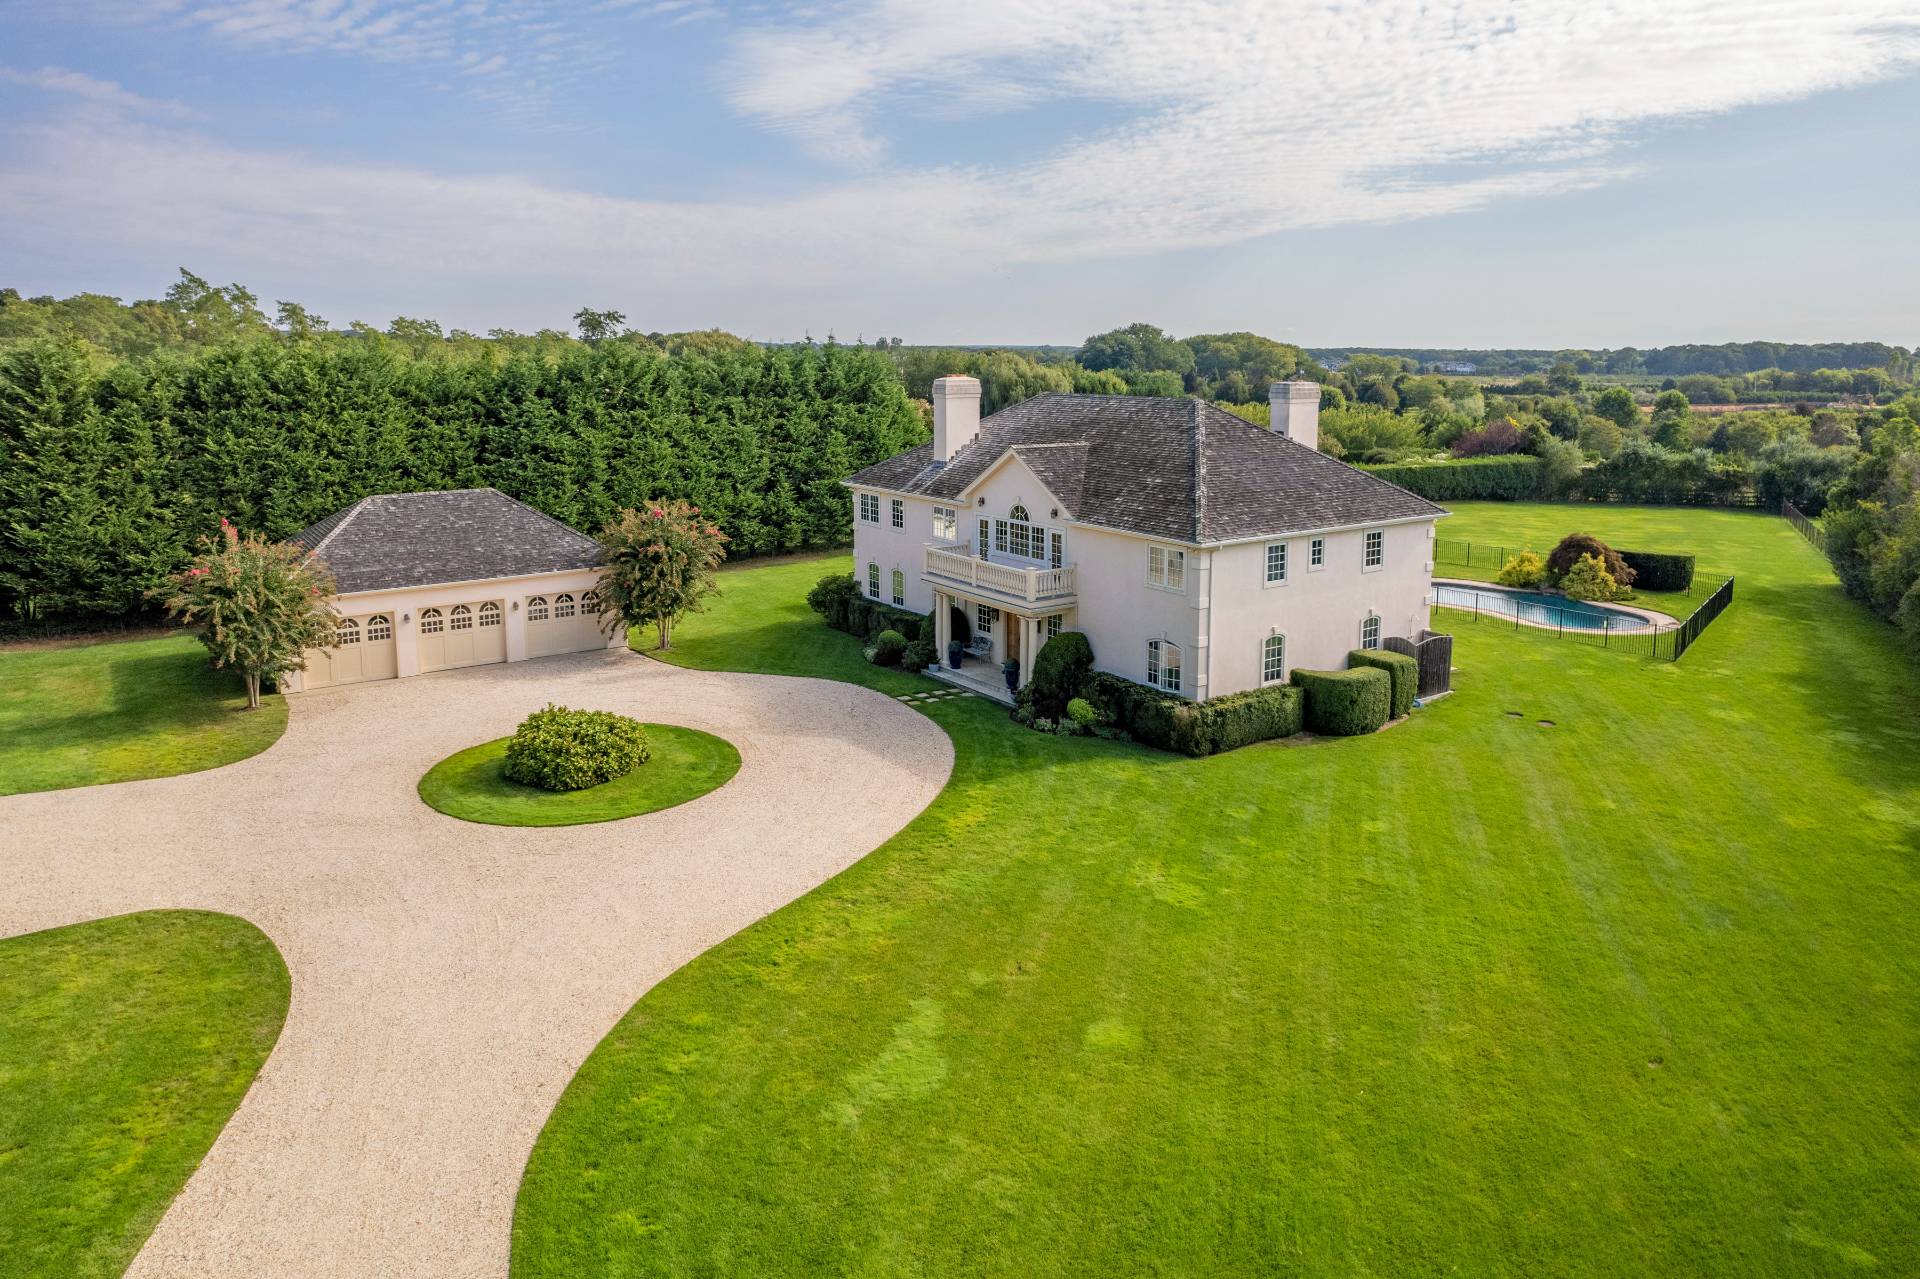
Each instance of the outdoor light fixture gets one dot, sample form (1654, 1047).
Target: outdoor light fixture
(405, 618)
(516, 606)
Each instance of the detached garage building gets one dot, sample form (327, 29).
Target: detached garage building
(435, 581)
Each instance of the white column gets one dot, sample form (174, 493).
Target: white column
(1029, 635)
(942, 628)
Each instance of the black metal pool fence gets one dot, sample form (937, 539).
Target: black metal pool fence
(1494, 555)
(1666, 642)
(1809, 529)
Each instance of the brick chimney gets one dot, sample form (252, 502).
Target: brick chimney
(1295, 407)
(956, 414)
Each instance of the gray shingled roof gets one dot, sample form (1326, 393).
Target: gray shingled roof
(395, 540)
(1175, 468)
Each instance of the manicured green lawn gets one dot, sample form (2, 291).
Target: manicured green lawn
(1632, 995)
(119, 711)
(124, 1045)
(686, 764)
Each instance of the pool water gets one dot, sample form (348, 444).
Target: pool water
(1538, 608)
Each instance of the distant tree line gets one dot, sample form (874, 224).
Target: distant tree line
(109, 473)
(1724, 359)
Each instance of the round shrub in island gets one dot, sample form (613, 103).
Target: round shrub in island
(1346, 703)
(685, 764)
(564, 750)
(887, 648)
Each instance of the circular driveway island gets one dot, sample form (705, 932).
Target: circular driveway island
(449, 978)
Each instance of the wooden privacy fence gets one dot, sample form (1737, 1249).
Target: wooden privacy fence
(1434, 653)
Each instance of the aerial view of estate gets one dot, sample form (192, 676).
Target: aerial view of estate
(622, 770)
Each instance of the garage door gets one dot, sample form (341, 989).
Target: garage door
(362, 650)
(563, 623)
(462, 635)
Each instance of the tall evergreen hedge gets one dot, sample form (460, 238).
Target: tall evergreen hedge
(107, 476)
(1508, 477)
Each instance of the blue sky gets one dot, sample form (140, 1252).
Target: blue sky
(1554, 173)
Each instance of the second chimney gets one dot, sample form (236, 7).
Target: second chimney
(956, 414)
(1295, 409)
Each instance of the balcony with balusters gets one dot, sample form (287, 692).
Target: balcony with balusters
(954, 564)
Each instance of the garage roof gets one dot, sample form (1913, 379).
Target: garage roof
(396, 540)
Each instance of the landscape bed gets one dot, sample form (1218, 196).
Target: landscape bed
(1535, 985)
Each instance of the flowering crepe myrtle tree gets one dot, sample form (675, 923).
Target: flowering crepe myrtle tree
(259, 605)
(660, 561)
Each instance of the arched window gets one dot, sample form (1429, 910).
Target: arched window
(462, 619)
(490, 614)
(590, 604)
(1163, 665)
(537, 609)
(899, 589)
(1273, 659)
(1019, 512)
(1370, 631)
(431, 622)
(873, 581)
(348, 632)
(562, 606)
(379, 627)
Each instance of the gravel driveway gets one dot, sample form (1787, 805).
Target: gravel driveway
(449, 978)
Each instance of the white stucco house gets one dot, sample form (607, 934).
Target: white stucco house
(435, 581)
(1199, 553)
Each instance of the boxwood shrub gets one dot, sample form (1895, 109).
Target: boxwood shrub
(887, 648)
(1346, 703)
(564, 750)
(1171, 723)
(1653, 571)
(838, 598)
(1401, 669)
(1058, 672)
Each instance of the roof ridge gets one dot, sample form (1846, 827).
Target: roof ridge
(1199, 466)
(345, 520)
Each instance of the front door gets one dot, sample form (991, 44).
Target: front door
(1010, 622)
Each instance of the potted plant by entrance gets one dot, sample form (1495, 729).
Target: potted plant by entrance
(954, 649)
(1011, 670)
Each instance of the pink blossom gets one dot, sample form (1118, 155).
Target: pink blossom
(657, 513)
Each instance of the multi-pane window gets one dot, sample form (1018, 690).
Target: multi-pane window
(1163, 665)
(870, 508)
(462, 619)
(590, 603)
(984, 618)
(1273, 659)
(1056, 552)
(490, 613)
(1376, 549)
(873, 581)
(945, 526)
(348, 632)
(1053, 625)
(983, 544)
(1276, 561)
(431, 622)
(899, 589)
(899, 513)
(562, 606)
(379, 627)
(537, 609)
(1167, 568)
(1018, 537)
(1370, 632)
(1317, 552)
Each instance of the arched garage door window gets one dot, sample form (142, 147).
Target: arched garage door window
(431, 623)
(462, 619)
(379, 627)
(348, 632)
(562, 606)
(537, 609)
(490, 614)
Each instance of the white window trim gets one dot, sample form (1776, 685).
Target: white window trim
(1157, 664)
(946, 523)
(1378, 632)
(899, 585)
(1316, 563)
(1167, 553)
(868, 501)
(1286, 564)
(1265, 680)
(1365, 538)
(873, 581)
(898, 513)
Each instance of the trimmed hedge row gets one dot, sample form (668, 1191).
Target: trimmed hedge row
(837, 598)
(1509, 477)
(1197, 729)
(1653, 571)
(1402, 670)
(1346, 703)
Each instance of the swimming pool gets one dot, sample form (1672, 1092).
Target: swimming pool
(1537, 608)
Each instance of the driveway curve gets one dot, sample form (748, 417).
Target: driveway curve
(450, 978)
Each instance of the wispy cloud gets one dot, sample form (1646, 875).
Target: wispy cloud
(99, 93)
